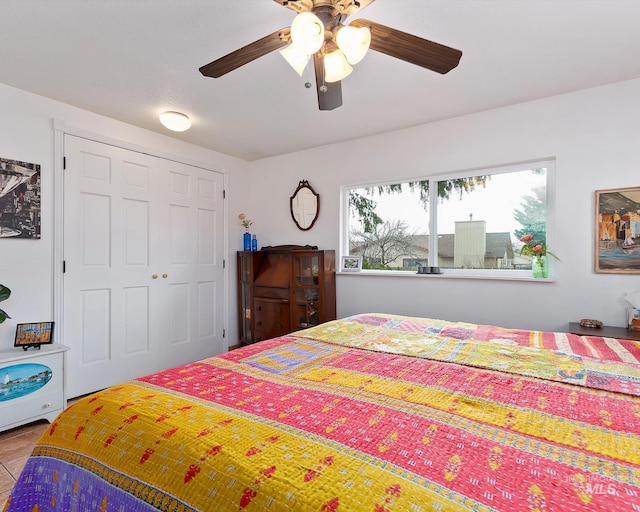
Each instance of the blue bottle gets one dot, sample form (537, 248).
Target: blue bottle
(254, 243)
(247, 241)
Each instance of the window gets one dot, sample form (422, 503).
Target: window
(476, 218)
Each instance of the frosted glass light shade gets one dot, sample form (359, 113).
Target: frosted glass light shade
(336, 67)
(307, 32)
(354, 42)
(296, 57)
(175, 121)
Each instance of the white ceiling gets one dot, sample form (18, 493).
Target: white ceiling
(132, 59)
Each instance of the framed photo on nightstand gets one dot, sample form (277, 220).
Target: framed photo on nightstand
(33, 335)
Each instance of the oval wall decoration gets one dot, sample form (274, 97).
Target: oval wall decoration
(22, 379)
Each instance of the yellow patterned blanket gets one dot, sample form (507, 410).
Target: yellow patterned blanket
(372, 413)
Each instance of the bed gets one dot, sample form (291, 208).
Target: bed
(373, 412)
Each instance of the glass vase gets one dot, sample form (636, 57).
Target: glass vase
(540, 267)
(246, 238)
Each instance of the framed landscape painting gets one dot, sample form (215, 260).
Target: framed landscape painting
(617, 246)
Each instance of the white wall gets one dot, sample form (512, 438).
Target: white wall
(26, 134)
(594, 136)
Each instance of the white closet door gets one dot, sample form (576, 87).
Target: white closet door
(130, 220)
(192, 260)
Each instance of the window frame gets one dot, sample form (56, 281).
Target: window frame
(498, 274)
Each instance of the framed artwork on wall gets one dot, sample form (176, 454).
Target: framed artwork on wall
(617, 242)
(19, 199)
(351, 264)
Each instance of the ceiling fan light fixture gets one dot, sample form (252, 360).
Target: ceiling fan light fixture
(175, 121)
(336, 67)
(296, 57)
(307, 32)
(354, 42)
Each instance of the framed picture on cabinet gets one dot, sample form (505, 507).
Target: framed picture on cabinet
(617, 246)
(351, 264)
(33, 335)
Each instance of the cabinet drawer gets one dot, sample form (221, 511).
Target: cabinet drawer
(271, 293)
(272, 317)
(31, 388)
(262, 335)
(25, 409)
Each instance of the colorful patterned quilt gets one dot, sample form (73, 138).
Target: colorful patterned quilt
(372, 413)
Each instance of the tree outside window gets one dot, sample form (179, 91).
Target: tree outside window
(480, 219)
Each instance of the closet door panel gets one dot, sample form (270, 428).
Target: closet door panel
(110, 296)
(193, 263)
(136, 321)
(143, 245)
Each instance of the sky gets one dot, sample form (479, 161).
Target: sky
(22, 371)
(495, 204)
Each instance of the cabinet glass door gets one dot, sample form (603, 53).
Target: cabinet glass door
(245, 296)
(245, 311)
(307, 290)
(244, 261)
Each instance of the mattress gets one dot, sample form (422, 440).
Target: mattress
(373, 412)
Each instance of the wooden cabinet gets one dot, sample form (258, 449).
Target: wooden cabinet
(284, 289)
(271, 317)
(31, 385)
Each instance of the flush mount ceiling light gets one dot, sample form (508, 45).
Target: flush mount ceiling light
(318, 31)
(175, 121)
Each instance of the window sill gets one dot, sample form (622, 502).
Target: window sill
(452, 274)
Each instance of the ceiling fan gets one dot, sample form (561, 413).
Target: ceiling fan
(318, 31)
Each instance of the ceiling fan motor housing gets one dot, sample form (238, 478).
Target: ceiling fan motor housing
(345, 7)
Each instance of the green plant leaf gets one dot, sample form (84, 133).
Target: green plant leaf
(4, 292)
(4, 295)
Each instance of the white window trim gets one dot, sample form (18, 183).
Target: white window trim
(507, 275)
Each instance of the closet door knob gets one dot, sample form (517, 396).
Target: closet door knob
(154, 276)
(164, 276)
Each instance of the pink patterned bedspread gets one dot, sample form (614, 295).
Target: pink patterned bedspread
(374, 412)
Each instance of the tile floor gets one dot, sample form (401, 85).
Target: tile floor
(15, 446)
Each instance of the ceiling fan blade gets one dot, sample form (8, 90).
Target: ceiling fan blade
(412, 49)
(246, 54)
(329, 94)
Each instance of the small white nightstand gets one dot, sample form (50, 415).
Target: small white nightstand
(32, 384)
